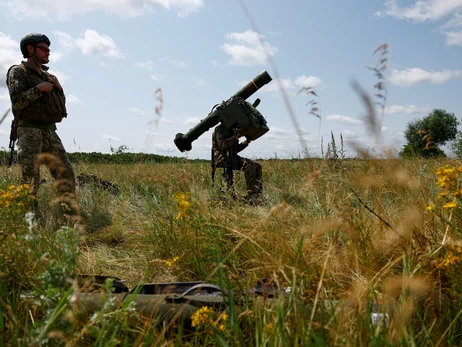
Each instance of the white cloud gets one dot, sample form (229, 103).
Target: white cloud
(430, 10)
(413, 76)
(10, 53)
(110, 137)
(145, 65)
(65, 41)
(249, 37)
(344, 119)
(453, 38)
(274, 85)
(289, 84)
(136, 112)
(279, 131)
(307, 82)
(55, 56)
(93, 43)
(72, 99)
(156, 77)
(280, 134)
(422, 10)
(192, 120)
(407, 109)
(455, 22)
(247, 48)
(351, 135)
(63, 9)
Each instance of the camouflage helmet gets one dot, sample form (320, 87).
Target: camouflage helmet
(32, 39)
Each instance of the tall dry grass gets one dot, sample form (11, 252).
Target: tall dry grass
(360, 232)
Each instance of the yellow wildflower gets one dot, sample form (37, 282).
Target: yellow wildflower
(449, 205)
(202, 317)
(450, 259)
(448, 177)
(430, 207)
(172, 261)
(220, 322)
(268, 327)
(183, 205)
(181, 214)
(442, 194)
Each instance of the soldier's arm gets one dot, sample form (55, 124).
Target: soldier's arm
(223, 143)
(242, 145)
(21, 94)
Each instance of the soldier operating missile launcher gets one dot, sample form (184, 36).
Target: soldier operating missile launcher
(236, 116)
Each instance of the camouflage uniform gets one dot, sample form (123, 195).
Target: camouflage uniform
(225, 151)
(37, 114)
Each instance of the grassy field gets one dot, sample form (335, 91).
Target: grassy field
(367, 233)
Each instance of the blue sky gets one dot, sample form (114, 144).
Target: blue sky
(121, 60)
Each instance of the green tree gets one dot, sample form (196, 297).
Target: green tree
(456, 145)
(425, 136)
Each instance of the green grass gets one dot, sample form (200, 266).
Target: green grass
(357, 231)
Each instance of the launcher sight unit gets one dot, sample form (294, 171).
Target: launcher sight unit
(235, 115)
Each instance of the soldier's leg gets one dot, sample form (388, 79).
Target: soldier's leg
(252, 173)
(63, 173)
(258, 178)
(29, 147)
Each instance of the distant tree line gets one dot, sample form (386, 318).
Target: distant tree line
(426, 136)
(113, 158)
(120, 158)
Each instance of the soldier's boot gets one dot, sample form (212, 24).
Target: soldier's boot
(253, 174)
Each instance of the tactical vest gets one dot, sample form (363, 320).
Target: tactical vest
(239, 116)
(49, 108)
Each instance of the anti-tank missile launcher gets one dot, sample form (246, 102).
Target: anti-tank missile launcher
(236, 115)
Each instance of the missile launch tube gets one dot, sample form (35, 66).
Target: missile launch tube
(184, 141)
(255, 84)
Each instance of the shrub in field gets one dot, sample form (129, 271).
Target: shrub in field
(447, 211)
(15, 201)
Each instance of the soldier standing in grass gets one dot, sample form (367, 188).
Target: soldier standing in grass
(224, 151)
(38, 103)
